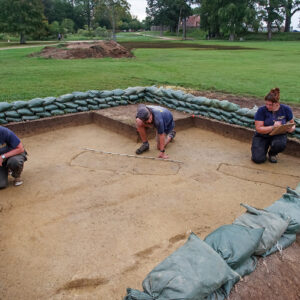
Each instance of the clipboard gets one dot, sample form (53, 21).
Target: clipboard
(282, 129)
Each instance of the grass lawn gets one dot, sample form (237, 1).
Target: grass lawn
(242, 72)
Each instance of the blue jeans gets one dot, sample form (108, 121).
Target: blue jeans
(263, 144)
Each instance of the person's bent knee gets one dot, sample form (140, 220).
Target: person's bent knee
(3, 183)
(278, 146)
(258, 159)
(14, 164)
(139, 123)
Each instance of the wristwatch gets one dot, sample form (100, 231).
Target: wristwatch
(162, 150)
(3, 156)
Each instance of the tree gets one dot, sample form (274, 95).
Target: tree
(228, 17)
(67, 26)
(21, 17)
(271, 14)
(88, 10)
(168, 12)
(114, 9)
(290, 8)
(234, 16)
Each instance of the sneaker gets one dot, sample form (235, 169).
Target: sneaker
(18, 181)
(172, 134)
(143, 148)
(273, 159)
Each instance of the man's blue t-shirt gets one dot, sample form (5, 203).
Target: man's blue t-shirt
(162, 119)
(284, 115)
(8, 140)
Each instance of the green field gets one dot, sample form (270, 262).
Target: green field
(243, 72)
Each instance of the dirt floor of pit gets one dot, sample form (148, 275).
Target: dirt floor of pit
(87, 226)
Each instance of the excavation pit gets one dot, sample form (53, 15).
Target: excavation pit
(87, 225)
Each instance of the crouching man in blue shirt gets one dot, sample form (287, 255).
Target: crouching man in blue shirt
(12, 157)
(162, 119)
(268, 117)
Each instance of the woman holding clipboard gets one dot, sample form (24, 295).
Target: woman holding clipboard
(272, 123)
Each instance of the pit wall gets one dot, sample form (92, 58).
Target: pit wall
(76, 102)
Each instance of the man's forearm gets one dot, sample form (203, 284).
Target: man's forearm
(18, 150)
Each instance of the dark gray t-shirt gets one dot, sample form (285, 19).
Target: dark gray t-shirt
(162, 119)
(8, 140)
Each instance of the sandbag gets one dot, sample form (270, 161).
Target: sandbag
(274, 226)
(70, 110)
(118, 92)
(82, 108)
(4, 106)
(35, 102)
(60, 105)
(243, 111)
(66, 98)
(285, 241)
(251, 112)
(192, 272)
(167, 93)
(100, 100)
(81, 102)
(25, 112)
(93, 93)
(37, 109)
(93, 107)
(19, 104)
(101, 106)
(105, 94)
(43, 114)
(91, 101)
(12, 114)
(57, 112)
(178, 94)
(133, 97)
(10, 119)
(49, 100)
(3, 121)
(235, 243)
(288, 206)
(71, 105)
(30, 118)
(51, 107)
(136, 295)
(80, 95)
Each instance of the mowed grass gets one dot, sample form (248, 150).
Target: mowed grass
(243, 72)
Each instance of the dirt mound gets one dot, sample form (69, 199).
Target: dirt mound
(80, 50)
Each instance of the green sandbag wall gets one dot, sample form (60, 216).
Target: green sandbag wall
(37, 108)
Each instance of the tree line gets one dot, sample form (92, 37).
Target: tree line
(43, 19)
(224, 18)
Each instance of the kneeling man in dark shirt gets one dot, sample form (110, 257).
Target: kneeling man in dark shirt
(162, 119)
(12, 157)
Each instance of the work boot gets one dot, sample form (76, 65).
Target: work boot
(273, 159)
(144, 147)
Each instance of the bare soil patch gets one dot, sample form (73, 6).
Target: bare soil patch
(86, 225)
(168, 45)
(81, 50)
(275, 278)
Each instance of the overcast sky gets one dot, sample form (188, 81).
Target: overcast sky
(138, 8)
